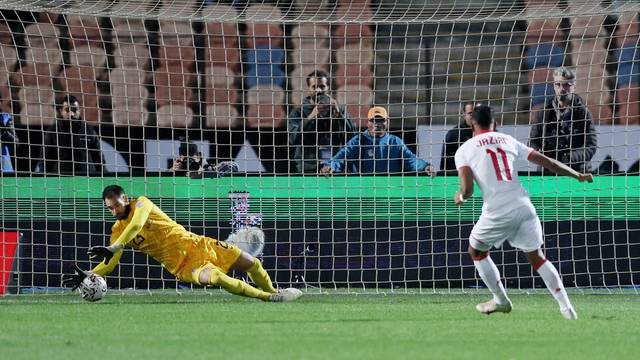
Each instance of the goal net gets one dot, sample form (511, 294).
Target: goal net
(224, 112)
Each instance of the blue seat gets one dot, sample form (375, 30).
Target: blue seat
(540, 92)
(628, 65)
(544, 55)
(265, 67)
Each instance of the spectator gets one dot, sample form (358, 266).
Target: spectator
(319, 127)
(190, 162)
(564, 128)
(376, 151)
(71, 146)
(456, 137)
(8, 139)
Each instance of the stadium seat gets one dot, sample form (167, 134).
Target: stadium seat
(42, 45)
(131, 31)
(264, 67)
(86, 54)
(84, 27)
(354, 10)
(355, 53)
(221, 116)
(174, 115)
(131, 56)
(261, 34)
(81, 82)
(173, 32)
(219, 56)
(265, 107)
(218, 12)
(310, 56)
(351, 34)
(8, 61)
(128, 96)
(35, 96)
(310, 36)
(6, 35)
(177, 56)
(354, 74)
(173, 86)
(358, 100)
(219, 77)
(628, 73)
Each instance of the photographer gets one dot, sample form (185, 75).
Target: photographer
(319, 128)
(190, 162)
(8, 140)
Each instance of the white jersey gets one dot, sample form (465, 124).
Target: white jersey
(491, 157)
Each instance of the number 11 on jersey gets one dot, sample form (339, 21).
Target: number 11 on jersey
(496, 166)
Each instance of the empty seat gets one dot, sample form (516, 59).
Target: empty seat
(174, 115)
(351, 34)
(172, 85)
(219, 77)
(35, 96)
(8, 61)
(42, 44)
(221, 116)
(357, 53)
(130, 31)
(358, 100)
(85, 27)
(265, 67)
(175, 33)
(589, 52)
(628, 74)
(263, 33)
(6, 36)
(128, 96)
(217, 55)
(306, 56)
(354, 74)
(177, 55)
(265, 107)
(310, 36)
(133, 56)
(87, 54)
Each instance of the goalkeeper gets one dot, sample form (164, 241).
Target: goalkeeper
(191, 258)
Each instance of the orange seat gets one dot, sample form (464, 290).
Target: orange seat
(351, 34)
(354, 74)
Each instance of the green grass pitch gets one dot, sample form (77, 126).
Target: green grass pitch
(428, 326)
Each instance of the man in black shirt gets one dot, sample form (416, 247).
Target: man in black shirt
(456, 137)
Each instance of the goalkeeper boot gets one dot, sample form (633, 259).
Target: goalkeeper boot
(569, 313)
(492, 306)
(285, 295)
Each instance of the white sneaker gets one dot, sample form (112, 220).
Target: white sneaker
(491, 306)
(569, 313)
(285, 295)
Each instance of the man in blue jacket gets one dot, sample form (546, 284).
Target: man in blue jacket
(375, 151)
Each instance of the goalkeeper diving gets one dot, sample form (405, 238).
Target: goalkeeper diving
(191, 258)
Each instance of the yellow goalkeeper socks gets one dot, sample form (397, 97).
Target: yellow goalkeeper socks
(236, 286)
(260, 277)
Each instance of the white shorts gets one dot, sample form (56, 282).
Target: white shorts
(521, 227)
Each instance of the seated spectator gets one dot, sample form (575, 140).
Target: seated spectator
(71, 146)
(318, 128)
(8, 140)
(375, 151)
(564, 128)
(456, 137)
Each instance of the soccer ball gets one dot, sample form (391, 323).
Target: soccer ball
(93, 287)
(249, 240)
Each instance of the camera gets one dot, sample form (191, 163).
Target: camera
(7, 131)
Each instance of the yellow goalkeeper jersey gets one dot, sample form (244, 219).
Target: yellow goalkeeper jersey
(150, 230)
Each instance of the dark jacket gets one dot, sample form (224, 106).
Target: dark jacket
(452, 141)
(70, 147)
(319, 139)
(571, 138)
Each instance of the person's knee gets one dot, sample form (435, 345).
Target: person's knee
(209, 276)
(476, 254)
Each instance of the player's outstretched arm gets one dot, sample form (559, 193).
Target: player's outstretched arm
(558, 167)
(74, 280)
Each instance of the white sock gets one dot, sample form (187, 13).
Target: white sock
(491, 277)
(552, 279)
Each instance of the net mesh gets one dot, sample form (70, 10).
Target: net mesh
(162, 80)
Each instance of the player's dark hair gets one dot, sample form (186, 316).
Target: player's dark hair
(112, 191)
(318, 74)
(483, 116)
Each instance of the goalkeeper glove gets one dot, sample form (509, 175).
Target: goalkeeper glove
(74, 280)
(99, 253)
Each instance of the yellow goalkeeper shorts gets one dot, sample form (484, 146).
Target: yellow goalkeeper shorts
(209, 253)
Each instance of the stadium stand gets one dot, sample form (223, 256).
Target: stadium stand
(626, 38)
(589, 42)
(127, 80)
